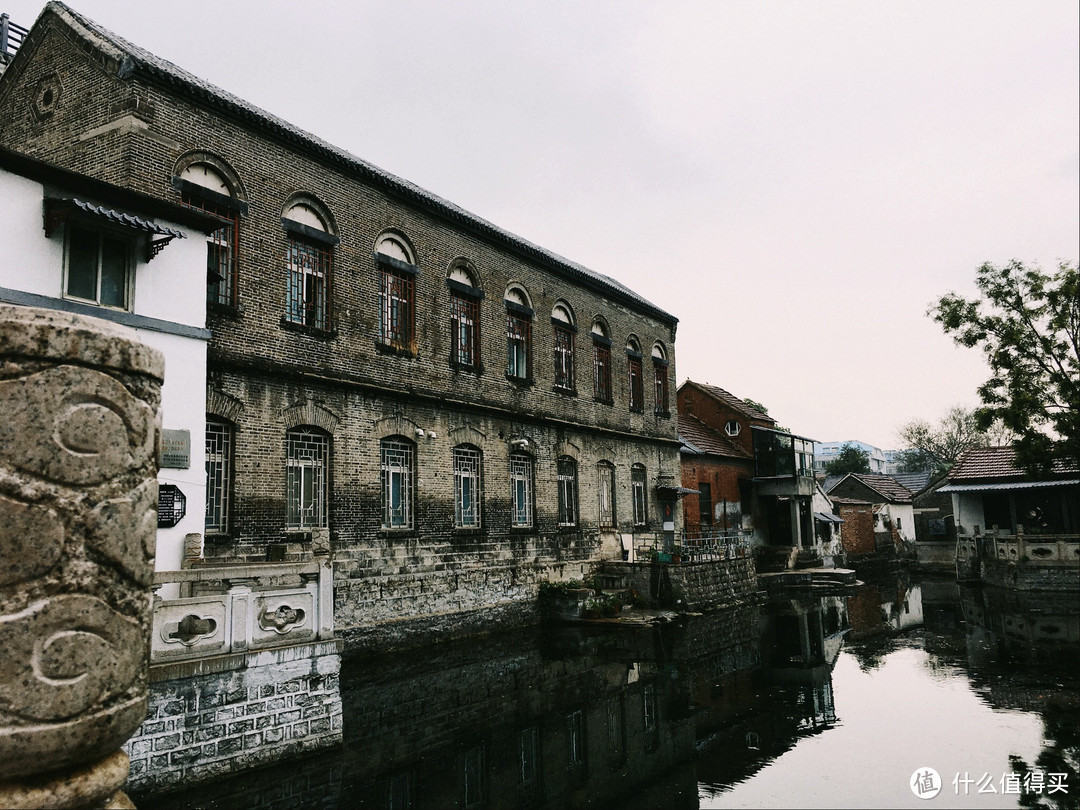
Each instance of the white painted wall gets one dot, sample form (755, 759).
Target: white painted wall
(171, 288)
(968, 511)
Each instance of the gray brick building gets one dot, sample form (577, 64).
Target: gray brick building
(461, 414)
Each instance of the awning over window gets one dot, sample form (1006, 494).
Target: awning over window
(676, 492)
(1065, 482)
(57, 212)
(827, 517)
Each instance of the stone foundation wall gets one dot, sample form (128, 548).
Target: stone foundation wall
(216, 716)
(1029, 577)
(691, 586)
(936, 555)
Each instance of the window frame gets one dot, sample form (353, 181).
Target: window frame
(566, 470)
(635, 382)
(397, 304)
(605, 512)
(464, 331)
(523, 474)
(468, 464)
(563, 355)
(223, 205)
(661, 389)
(393, 448)
(99, 233)
(308, 279)
(519, 347)
(602, 390)
(219, 480)
(297, 464)
(639, 494)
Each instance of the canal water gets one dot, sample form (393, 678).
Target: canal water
(895, 693)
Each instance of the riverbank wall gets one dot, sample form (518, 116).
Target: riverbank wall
(215, 716)
(690, 586)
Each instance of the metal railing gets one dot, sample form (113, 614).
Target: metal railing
(11, 37)
(243, 608)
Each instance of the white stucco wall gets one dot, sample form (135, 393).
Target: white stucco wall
(171, 288)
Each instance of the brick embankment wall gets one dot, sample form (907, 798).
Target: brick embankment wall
(936, 555)
(263, 707)
(1029, 577)
(691, 586)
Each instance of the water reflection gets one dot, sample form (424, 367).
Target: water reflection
(759, 706)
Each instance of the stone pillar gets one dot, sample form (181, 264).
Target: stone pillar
(79, 426)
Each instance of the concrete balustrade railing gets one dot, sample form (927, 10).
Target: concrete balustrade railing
(239, 608)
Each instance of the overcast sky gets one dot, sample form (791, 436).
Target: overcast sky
(796, 182)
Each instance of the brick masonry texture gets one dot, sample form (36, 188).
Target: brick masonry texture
(692, 586)
(207, 726)
(267, 376)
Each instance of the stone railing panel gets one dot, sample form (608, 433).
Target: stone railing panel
(195, 626)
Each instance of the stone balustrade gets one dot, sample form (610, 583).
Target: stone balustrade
(239, 608)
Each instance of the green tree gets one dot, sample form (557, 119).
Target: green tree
(1027, 323)
(851, 459)
(937, 447)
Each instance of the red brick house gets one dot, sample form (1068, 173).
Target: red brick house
(720, 471)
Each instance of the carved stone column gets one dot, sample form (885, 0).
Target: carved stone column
(79, 424)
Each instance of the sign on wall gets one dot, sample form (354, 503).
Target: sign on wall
(171, 506)
(175, 449)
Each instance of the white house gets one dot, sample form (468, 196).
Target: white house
(79, 245)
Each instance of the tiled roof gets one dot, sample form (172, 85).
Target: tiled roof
(995, 463)
(701, 438)
(913, 481)
(135, 59)
(889, 487)
(732, 401)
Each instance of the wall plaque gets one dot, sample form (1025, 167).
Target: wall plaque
(175, 449)
(171, 506)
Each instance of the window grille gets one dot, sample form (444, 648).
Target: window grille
(521, 483)
(464, 331)
(564, 358)
(637, 485)
(396, 305)
(529, 759)
(606, 475)
(518, 345)
(575, 730)
(307, 457)
(309, 273)
(637, 388)
(567, 482)
(616, 724)
(397, 484)
(219, 442)
(660, 372)
(602, 372)
(221, 251)
(466, 488)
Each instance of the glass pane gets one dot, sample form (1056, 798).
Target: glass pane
(113, 272)
(82, 264)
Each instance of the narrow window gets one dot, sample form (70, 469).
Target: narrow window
(563, 339)
(219, 449)
(601, 363)
(635, 381)
(652, 731)
(464, 331)
(705, 505)
(575, 733)
(475, 788)
(309, 252)
(616, 724)
(466, 488)
(202, 187)
(521, 483)
(306, 462)
(397, 483)
(397, 294)
(637, 484)
(529, 762)
(660, 376)
(518, 345)
(606, 490)
(566, 470)
(98, 266)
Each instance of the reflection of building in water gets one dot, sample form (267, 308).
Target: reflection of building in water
(1006, 623)
(885, 607)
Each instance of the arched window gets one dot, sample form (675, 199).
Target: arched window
(204, 187)
(519, 317)
(397, 293)
(219, 456)
(521, 491)
(309, 253)
(398, 458)
(467, 492)
(601, 362)
(465, 296)
(606, 494)
(307, 465)
(566, 475)
(660, 378)
(562, 322)
(635, 379)
(639, 495)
